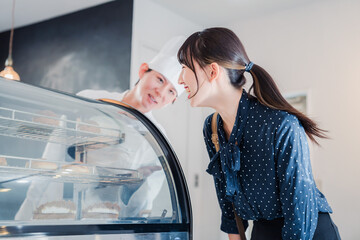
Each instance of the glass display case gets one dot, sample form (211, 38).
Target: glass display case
(75, 168)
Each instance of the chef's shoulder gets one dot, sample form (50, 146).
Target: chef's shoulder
(97, 94)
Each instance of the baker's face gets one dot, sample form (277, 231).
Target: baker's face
(196, 88)
(155, 91)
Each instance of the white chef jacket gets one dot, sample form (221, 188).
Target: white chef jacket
(139, 154)
(152, 186)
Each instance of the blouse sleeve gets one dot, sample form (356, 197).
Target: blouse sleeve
(228, 222)
(296, 183)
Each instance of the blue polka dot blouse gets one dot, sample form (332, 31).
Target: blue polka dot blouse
(264, 170)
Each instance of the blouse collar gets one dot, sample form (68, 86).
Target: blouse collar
(226, 162)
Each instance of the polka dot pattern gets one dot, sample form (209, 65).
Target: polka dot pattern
(264, 170)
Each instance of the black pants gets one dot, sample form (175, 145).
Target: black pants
(271, 229)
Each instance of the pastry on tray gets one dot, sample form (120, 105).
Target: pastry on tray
(42, 165)
(89, 126)
(103, 210)
(76, 167)
(48, 118)
(55, 210)
(3, 161)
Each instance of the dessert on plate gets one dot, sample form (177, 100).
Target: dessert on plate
(103, 210)
(55, 210)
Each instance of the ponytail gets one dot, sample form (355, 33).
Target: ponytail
(268, 94)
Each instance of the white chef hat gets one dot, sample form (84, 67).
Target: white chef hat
(166, 62)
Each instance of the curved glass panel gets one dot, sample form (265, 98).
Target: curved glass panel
(67, 161)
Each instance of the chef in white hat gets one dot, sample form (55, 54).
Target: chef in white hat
(157, 85)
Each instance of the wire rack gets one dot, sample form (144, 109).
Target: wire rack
(30, 168)
(46, 128)
(78, 136)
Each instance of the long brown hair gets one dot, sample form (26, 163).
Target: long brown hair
(222, 46)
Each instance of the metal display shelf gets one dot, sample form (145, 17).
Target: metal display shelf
(32, 126)
(24, 168)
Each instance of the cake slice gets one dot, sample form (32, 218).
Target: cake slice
(104, 210)
(56, 210)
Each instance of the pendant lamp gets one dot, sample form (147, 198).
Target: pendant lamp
(9, 71)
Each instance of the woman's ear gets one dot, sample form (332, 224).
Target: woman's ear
(214, 69)
(142, 70)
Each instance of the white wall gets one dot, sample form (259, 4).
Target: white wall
(153, 25)
(316, 48)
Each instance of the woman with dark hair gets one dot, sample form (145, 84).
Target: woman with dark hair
(259, 155)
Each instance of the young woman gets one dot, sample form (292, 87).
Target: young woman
(262, 169)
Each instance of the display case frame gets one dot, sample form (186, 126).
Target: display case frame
(171, 168)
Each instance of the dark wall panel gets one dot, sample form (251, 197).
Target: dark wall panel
(90, 48)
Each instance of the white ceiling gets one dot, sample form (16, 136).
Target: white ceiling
(201, 12)
(220, 12)
(32, 11)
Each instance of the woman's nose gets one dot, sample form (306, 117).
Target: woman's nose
(180, 80)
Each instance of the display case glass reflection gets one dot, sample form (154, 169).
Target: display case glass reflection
(67, 160)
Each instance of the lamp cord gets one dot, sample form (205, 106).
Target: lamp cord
(12, 29)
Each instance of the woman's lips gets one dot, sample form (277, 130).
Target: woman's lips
(187, 90)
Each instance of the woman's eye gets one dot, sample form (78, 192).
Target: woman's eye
(160, 80)
(171, 92)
